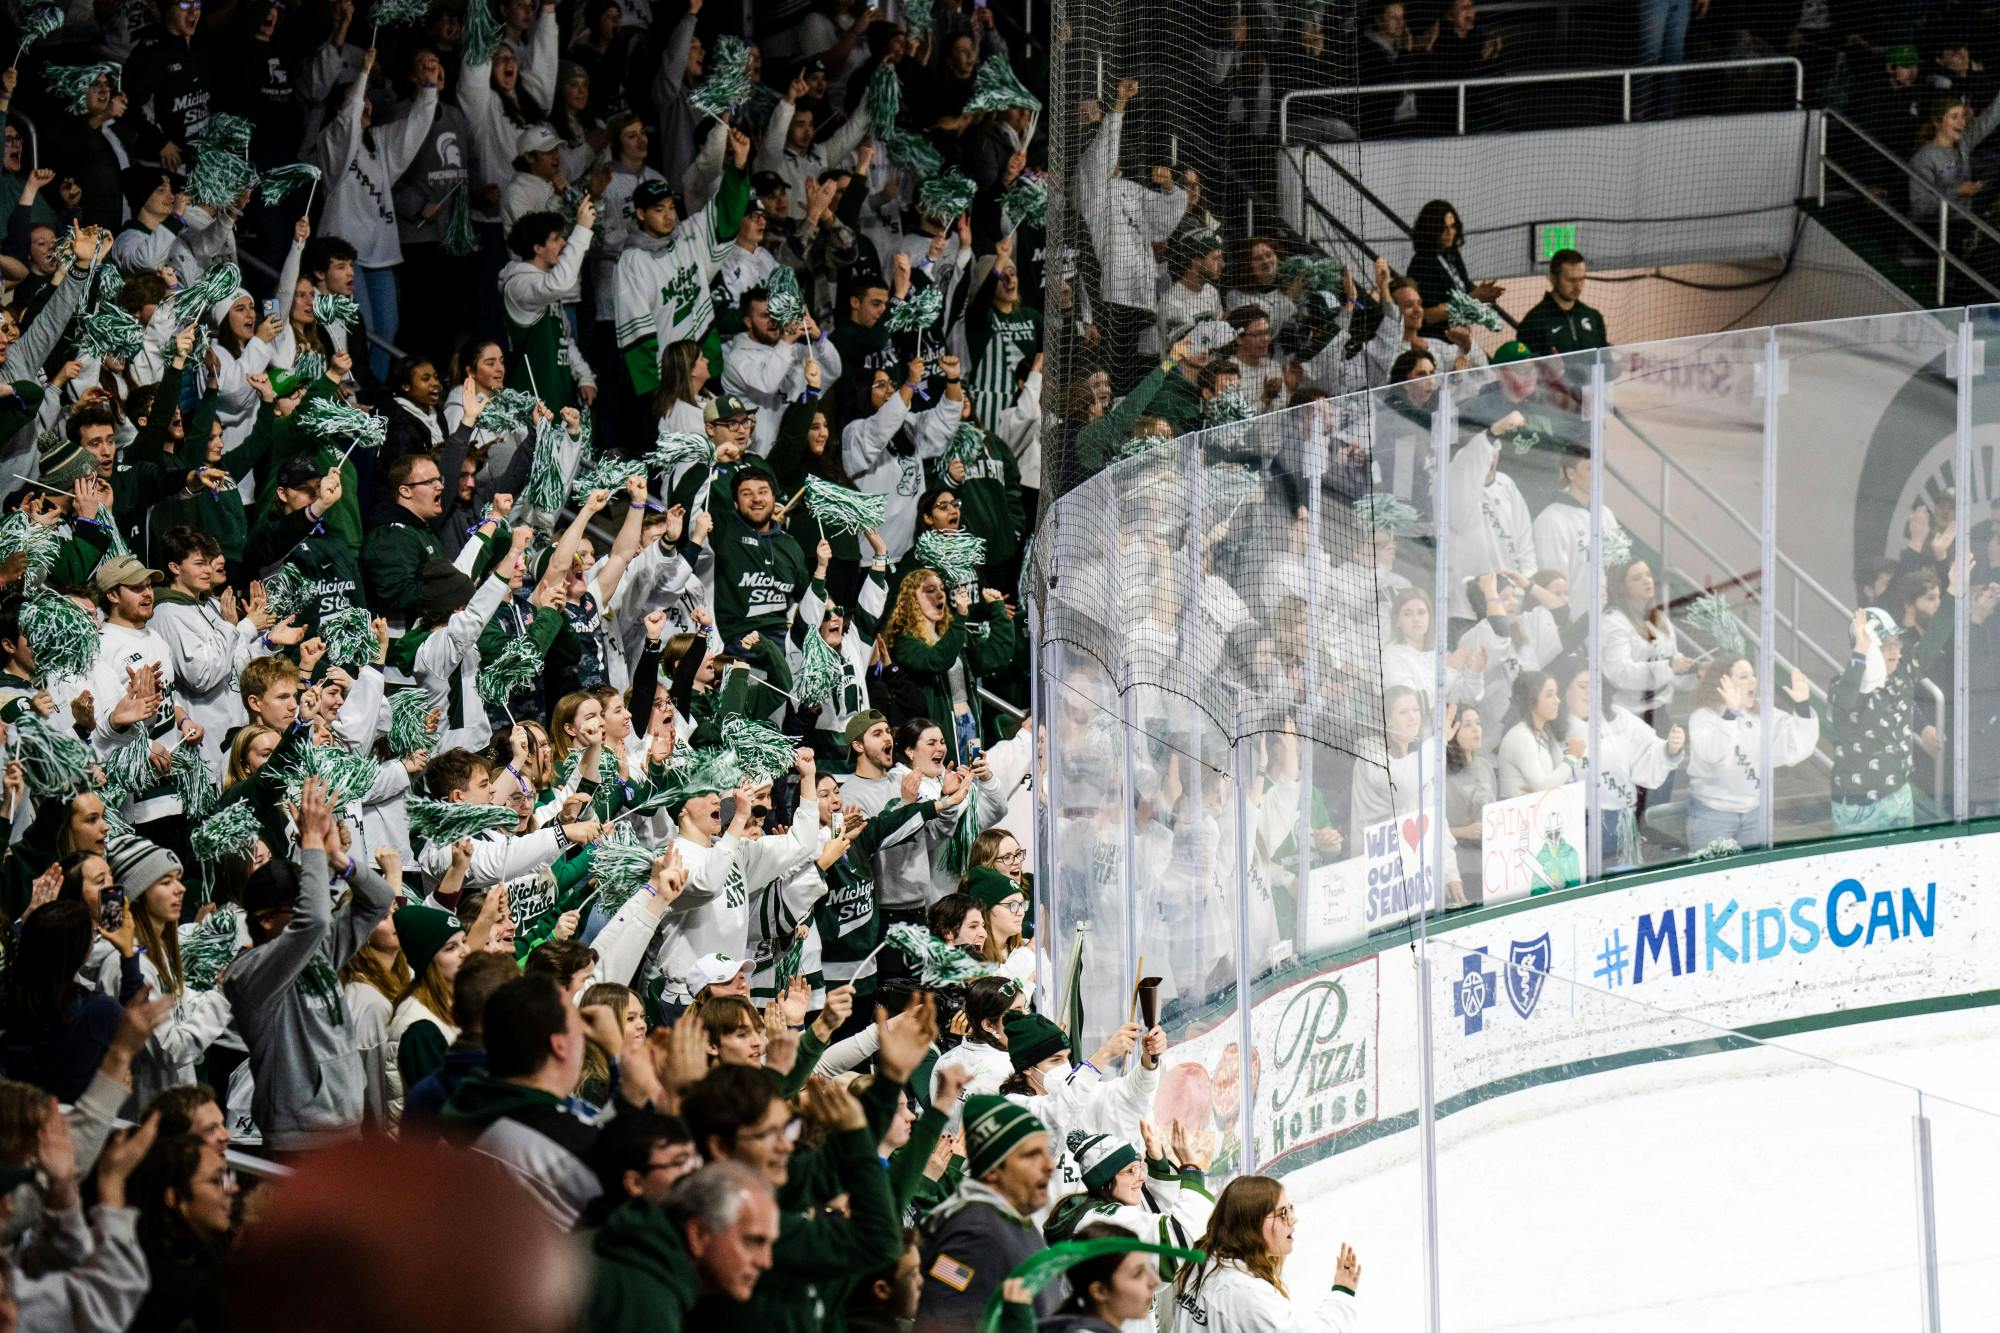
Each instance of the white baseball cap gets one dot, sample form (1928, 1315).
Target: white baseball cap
(713, 969)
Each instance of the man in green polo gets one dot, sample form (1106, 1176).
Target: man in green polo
(1560, 321)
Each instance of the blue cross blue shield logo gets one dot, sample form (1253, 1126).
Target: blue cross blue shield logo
(1527, 971)
(1473, 992)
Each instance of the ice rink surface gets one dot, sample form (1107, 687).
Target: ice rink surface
(1762, 1190)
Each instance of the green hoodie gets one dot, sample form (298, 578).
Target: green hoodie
(641, 1278)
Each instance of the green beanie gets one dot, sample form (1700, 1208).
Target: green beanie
(1100, 1157)
(990, 887)
(994, 1127)
(1032, 1039)
(423, 933)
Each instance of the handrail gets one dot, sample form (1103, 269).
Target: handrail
(1930, 687)
(244, 257)
(1319, 151)
(1625, 76)
(992, 700)
(1948, 207)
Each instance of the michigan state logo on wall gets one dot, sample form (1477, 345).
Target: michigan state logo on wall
(1527, 971)
(1911, 452)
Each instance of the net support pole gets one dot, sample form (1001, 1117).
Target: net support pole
(1927, 1257)
(1239, 772)
(1767, 609)
(1960, 739)
(1593, 790)
(1038, 785)
(1443, 430)
(1317, 446)
(1129, 818)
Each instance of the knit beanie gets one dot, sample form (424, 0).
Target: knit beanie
(220, 310)
(1032, 1039)
(423, 932)
(137, 865)
(442, 588)
(1100, 1158)
(62, 462)
(990, 887)
(994, 1127)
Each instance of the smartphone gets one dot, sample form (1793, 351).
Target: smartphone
(111, 908)
(271, 308)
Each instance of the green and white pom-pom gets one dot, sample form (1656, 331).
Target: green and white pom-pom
(840, 510)
(399, 13)
(956, 556)
(543, 490)
(53, 761)
(919, 312)
(288, 593)
(1718, 849)
(40, 543)
(1384, 512)
(457, 236)
(820, 672)
(1138, 446)
(128, 772)
(61, 634)
(348, 775)
(619, 867)
(230, 831)
(609, 474)
(349, 636)
(785, 305)
(410, 728)
(448, 821)
(209, 945)
(35, 23)
(72, 83)
(329, 419)
(995, 88)
(282, 182)
(566, 202)
(1710, 617)
(1226, 408)
(482, 34)
(333, 308)
(764, 753)
(946, 196)
(918, 19)
(193, 783)
(309, 367)
(935, 962)
(728, 81)
(885, 99)
(226, 133)
(192, 302)
(968, 446)
(675, 449)
(510, 409)
(513, 671)
(910, 151)
(1464, 311)
(700, 773)
(1027, 202)
(1614, 546)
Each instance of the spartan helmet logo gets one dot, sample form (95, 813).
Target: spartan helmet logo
(447, 150)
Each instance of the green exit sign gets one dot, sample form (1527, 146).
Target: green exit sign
(1553, 236)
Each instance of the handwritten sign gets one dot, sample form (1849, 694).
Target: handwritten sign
(1533, 844)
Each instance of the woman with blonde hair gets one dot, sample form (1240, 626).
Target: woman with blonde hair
(595, 1085)
(370, 983)
(943, 645)
(1240, 1284)
(248, 750)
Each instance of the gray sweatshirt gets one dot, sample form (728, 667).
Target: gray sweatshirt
(903, 863)
(288, 1004)
(1938, 171)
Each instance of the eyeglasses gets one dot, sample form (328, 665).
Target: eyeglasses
(1287, 1214)
(1012, 858)
(1014, 905)
(425, 481)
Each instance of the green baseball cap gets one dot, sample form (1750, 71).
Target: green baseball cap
(1511, 351)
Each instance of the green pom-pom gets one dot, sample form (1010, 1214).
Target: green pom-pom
(513, 671)
(458, 237)
(510, 409)
(481, 37)
(946, 196)
(309, 367)
(40, 543)
(1226, 408)
(53, 762)
(968, 446)
(620, 867)
(333, 308)
(839, 509)
(700, 773)
(728, 81)
(226, 133)
(399, 13)
(282, 182)
(910, 151)
(674, 449)
(219, 178)
(193, 783)
(348, 775)
(820, 672)
(918, 20)
(885, 99)
(191, 303)
(764, 753)
(921, 311)
(209, 945)
(611, 474)
(61, 634)
(1711, 618)
(786, 306)
(1614, 546)
(72, 83)
(37, 22)
(230, 831)
(1463, 311)
(110, 333)
(995, 88)
(1718, 849)
(956, 556)
(448, 821)
(935, 962)
(349, 636)
(1027, 202)
(329, 419)
(1383, 512)
(288, 594)
(410, 728)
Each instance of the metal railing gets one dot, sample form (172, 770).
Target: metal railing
(1947, 207)
(1624, 76)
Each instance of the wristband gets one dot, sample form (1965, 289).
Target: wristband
(635, 506)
